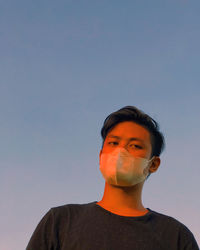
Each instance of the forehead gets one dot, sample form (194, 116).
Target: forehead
(129, 129)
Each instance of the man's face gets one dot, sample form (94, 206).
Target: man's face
(131, 136)
(134, 138)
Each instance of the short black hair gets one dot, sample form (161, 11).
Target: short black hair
(131, 113)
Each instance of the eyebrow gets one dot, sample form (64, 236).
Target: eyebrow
(130, 139)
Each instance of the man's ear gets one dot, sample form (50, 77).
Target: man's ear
(154, 164)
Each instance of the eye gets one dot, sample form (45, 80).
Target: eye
(113, 143)
(136, 146)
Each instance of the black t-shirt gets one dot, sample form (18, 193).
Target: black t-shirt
(91, 227)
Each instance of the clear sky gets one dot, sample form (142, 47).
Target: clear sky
(65, 66)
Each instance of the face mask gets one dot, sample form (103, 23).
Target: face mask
(123, 169)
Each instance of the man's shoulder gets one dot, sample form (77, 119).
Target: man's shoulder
(165, 217)
(170, 221)
(70, 208)
(169, 225)
(72, 205)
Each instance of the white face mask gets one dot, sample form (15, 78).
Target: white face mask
(123, 169)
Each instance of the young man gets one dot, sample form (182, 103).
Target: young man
(130, 153)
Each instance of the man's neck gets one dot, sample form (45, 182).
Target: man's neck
(123, 200)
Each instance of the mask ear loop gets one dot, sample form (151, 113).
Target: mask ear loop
(151, 159)
(149, 165)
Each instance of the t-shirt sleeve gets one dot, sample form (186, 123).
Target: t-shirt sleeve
(42, 237)
(187, 240)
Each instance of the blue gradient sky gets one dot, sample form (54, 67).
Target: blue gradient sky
(65, 66)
